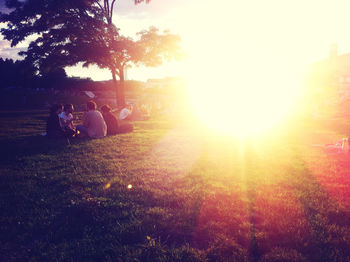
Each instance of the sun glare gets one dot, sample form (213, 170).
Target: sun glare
(241, 81)
(242, 99)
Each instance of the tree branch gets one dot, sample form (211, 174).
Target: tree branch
(99, 5)
(107, 8)
(112, 8)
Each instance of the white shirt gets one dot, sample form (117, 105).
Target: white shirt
(124, 113)
(95, 124)
(66, 119)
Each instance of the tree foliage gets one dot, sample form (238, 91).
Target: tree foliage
(22, 74)
(63, 30)
(67, 32)
(15, 73)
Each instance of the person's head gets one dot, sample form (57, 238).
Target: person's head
(105, 108)
(68, 108)
(91, 105)
(129, 106)
(56, 109)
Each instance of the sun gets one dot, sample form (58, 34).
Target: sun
(243, 78)
(242, 95)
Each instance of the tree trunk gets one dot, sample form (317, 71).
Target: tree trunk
(115, 84)
(121, 87)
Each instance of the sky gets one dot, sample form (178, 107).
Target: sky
(231, 35)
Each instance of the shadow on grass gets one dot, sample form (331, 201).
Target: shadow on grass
(39, 211)
(253, 248)
(11, 150)
(328, 221)
(21, 114)
(323, 235)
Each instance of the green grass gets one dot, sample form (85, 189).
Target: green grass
(194, 197)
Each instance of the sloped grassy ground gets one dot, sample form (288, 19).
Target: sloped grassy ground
(194, 196)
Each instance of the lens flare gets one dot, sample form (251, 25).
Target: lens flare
(243, 95)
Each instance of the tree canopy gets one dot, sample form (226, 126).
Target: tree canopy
(68, 32)
(63, 30)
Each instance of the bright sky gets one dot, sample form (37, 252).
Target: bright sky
(233, 33)
(238, 33)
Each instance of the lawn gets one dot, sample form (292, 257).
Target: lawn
(170, 191)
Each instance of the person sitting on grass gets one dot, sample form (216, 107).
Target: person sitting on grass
(53, 126)
(66, 119)
(110, 119)
(94, 125)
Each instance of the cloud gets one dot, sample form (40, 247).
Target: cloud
(152, 10)
(4, 44)
(6, 51)
(3, 8)
(163, 14)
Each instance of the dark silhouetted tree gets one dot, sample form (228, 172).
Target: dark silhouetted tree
(150, 49)
(67, 32)
(16, 73)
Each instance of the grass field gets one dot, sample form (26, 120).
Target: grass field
(171, 192)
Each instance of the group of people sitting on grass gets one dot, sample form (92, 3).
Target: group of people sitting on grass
(94, 123)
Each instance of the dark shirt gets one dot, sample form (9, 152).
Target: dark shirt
(111, 122)
(53, 127)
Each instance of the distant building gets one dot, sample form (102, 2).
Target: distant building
(333, 72)
(166, 82)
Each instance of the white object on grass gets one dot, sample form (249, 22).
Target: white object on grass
(341, 146)
(124, 113)
(89, 94)
(345, 144)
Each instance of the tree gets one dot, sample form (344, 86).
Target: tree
(68, 32)
(16, 73)
(63, 30)
(151, 49)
